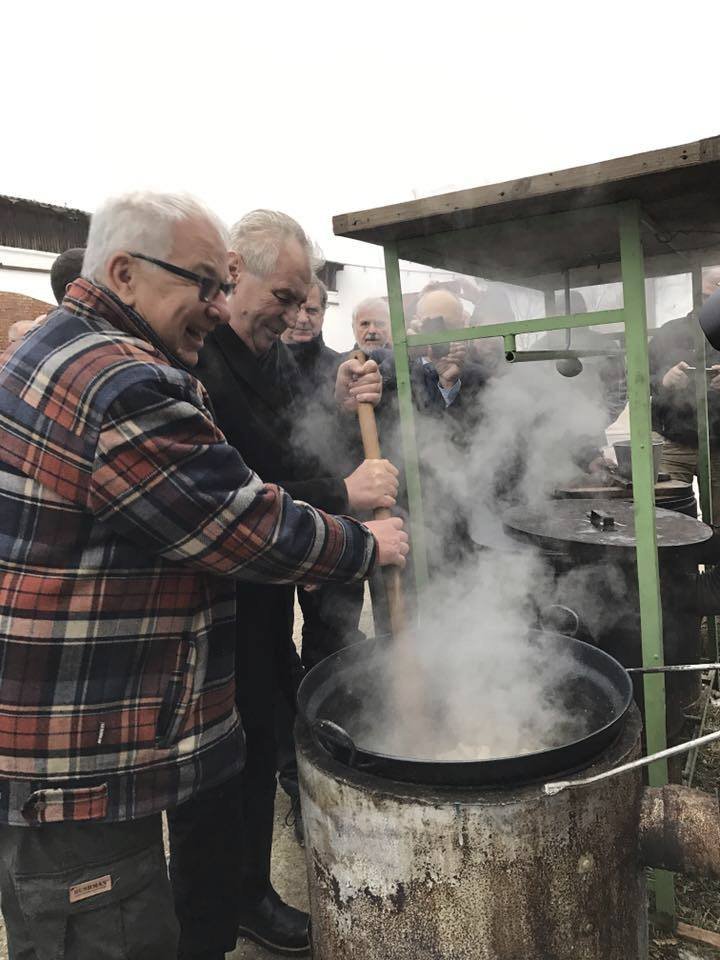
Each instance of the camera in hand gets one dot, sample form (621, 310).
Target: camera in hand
(436, 325)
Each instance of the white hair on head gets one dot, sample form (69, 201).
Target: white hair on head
(370, 303)
(144, 222)
(259, 237)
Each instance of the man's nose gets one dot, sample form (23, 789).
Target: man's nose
(290, 314)
(219, 309)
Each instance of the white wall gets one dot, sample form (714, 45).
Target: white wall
(27, 272)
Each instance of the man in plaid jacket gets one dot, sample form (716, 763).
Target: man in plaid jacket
(124, 519)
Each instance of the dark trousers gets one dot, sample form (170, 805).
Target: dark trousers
(87, 891)
(221, 840)
(206, 868)
(331, 620)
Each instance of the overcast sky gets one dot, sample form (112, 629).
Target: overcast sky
(321, 108)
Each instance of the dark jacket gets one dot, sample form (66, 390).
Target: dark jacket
(261, 406)
(462, 414)
(124, 519)
(674, 412)
(445, 432)
(316, 362)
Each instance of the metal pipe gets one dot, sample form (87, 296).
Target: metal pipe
(550, 789)
(530, 356)
(677, 668)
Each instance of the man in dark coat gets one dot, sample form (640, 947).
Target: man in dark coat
(317, 362)
(446, 391)
(673, 358)
(221, 845)
(331, 618)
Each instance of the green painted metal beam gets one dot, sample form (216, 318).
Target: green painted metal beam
(643, 475)
(638, 383)
(517, 327)
(407, 418)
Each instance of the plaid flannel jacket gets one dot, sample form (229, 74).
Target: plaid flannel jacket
(124, 519)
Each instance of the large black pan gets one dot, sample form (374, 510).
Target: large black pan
(335, 693)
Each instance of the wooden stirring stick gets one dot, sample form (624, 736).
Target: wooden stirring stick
(371, 449)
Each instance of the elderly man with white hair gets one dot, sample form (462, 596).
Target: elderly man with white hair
(125, 520)
(221, 840)
(371, 324)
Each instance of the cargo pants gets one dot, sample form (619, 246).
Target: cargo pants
(87, 891)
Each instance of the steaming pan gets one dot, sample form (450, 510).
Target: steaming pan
(333, 694)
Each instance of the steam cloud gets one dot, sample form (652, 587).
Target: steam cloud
(481, 684)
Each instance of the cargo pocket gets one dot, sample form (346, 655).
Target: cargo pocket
(178, 695)
(117, 910)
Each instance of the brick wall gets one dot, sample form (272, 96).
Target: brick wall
(16, 306)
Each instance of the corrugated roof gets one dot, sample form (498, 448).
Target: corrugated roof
(32, 225)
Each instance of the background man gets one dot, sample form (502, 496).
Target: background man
(331, 615)
(316, 362)
(124, 519)
(221, 842)
(371, 325)
(66, 268)
(673, 354)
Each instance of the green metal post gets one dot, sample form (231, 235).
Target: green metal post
(407, 417)
(643, 475)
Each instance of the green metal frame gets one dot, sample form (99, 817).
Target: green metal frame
(633, 315)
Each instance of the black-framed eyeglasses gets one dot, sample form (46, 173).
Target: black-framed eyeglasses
(210, 287)
(287, 299)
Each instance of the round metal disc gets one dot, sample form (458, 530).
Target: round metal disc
(561, 522)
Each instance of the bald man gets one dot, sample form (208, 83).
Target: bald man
(447, 395)
(441, 310)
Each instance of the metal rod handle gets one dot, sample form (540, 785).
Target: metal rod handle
(550, 789)
(531, 356)
(676, 668)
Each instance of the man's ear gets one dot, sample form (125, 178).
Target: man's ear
(236, 265)
(121, 277)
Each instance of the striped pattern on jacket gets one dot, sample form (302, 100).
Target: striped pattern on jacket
(124, 519)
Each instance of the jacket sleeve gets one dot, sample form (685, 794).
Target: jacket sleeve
(164, 478)
(325, 493)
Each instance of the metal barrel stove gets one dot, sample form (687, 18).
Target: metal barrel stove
(408, 859)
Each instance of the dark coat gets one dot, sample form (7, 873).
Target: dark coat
(260, 405)
(463, 413)
(674, 412)
(317, 363)
(435, 423)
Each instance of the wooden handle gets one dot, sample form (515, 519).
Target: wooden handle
(371, 449)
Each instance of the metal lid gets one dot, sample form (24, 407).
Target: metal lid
(560, 522)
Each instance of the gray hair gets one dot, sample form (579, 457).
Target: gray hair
(259, 237)
(370, 303)
(142, 221)
(321, 289)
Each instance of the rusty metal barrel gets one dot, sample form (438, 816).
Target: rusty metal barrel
(399, 871)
